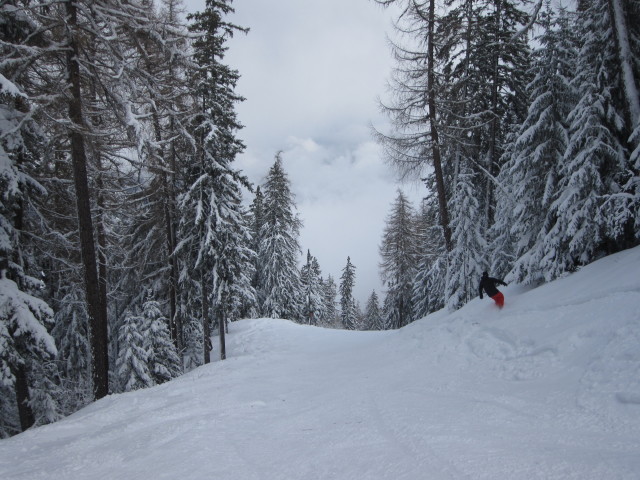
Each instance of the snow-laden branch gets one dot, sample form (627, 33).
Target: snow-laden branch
(528, 26)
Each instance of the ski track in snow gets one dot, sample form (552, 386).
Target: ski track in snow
(547, 388)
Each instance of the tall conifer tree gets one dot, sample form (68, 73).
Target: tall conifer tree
(212, 222)
(399, 253)
(279, 286)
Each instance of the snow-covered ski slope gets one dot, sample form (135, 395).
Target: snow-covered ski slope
(548, 388)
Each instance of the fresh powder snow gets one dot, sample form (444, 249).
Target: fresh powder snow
(547, 388)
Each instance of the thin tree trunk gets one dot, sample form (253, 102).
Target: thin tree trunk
(176, 333)
(168, 201)
(493, 160)
(435, 139)
(221, 330)
(222, 322)
(206, 328)
(96, 305)
(22, 398)
(172, 215)
(101, 232)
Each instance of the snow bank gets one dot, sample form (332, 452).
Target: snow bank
(547, 388)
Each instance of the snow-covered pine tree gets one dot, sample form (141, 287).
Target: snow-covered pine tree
(457, 87)
(72, 339)
(621, 210)
(26, 346)
(163, 360)
(348, 310)
(257, 221)
(468, 259)
(132, 364)
(373, 314)
(399, 254)
(243, 299)
(194, 340)
(594, 213)
(159, 112)
(485, 58)
(500, 56)
(215, 239)
(321, 308)
(87, 108)
(279, 249)
(313, 295)
(531, 173)
(428, 282)
(330, 292)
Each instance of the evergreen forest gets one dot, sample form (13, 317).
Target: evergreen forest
(129, 238)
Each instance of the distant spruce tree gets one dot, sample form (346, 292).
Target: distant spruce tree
(279, 286)
(330, 292)
(429, 280)
(349, 312)
(373, 314)
(256, 220)
(312, 291)
(399, 256)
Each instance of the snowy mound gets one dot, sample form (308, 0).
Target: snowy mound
(547, 388)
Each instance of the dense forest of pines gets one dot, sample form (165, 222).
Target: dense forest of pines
(124, 235)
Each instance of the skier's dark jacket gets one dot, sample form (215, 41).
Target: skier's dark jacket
(488, 284)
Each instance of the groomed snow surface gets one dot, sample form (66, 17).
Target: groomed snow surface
(547, 388)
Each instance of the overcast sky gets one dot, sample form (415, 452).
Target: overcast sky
(312, 71)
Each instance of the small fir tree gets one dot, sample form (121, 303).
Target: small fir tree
(132, 364)
(373, 314)
(313, 298)
(163, 359)
(330, 292)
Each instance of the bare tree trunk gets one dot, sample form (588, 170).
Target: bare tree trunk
(221, 330)
(96, 305)
(435, 139)
(101, 231)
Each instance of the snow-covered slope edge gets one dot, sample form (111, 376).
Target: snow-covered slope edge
(548, 388)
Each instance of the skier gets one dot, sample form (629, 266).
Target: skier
(488, 284)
